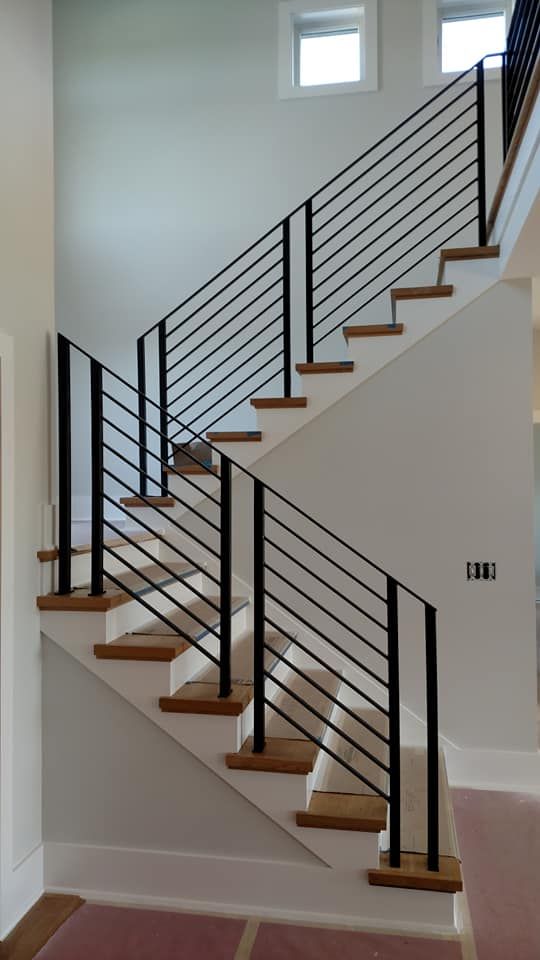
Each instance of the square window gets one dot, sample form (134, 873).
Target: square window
(327, 47)
(329, 57)
(465, 40)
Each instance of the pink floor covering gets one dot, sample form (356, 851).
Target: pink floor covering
(279, 942)
(499, 837)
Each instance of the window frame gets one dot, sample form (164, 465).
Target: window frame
(297, 17)
(435, 12)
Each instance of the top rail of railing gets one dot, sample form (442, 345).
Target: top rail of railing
(321, 190)
(242, 469)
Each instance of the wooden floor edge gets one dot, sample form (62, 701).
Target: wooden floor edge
(38, 925)
(509, 163)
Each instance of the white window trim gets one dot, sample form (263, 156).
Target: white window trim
(433, 13)
(289, 10)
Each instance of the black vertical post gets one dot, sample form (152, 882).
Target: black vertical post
(287, 307)
(504, 97)
(64, 466)
(432, 714)
(258, 617)
(96, 408)
(481, 134)
(309, 280)
(163, 419)
(225, 580)
(394, 723)
(143, 429)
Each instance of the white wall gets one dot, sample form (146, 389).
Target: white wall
(26, 322)
(173, 152)
(422, 468)
(111, 778)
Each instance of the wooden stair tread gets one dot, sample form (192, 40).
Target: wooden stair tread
(413, 874)
(81, 601)
(203, 698)
(344, 811)
(142, 647)
(235, 436)
(334, 778)
(465, 253)
(201, 695)
(337, 366)
(135, 582)
(193, 469)
(147, 502)
(373, 330)
(278, 403)
(46, 556)
(278, 756)
(187, 623)
(279, 728)
(422, 293)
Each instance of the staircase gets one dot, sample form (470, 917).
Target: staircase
(286, 687)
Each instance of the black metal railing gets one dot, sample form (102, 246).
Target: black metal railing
(519, 63)
(379, 220)
(347, 607)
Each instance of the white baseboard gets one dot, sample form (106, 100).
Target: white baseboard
(21, 887)
(506, 770)
(265, 889)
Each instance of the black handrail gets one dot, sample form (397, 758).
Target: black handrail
(192, 379)
(520, 62)
(265, 594)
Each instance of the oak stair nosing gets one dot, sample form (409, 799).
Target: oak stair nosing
(373, 330)
(422, 293)
(278, 403)
(413, 874)
(147, 502)
(235, 436)
(337, 811)
(51, 554)
(454, 254)
(203, 470)
(338, 366)
(279, 756)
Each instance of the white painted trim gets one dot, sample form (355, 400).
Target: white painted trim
(288, 10)
(269, 889)
(22, 883)
(432, 10)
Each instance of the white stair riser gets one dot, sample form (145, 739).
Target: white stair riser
(180, 487)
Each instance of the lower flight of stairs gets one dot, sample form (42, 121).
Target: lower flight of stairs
(293, 781)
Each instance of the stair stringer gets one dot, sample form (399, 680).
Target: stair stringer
(470, 278)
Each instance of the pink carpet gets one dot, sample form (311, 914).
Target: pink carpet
(499, 838)
(279, 942)
(116, 933)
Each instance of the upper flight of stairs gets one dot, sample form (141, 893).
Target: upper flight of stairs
(414, 312)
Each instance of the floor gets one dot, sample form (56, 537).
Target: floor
(502, 880)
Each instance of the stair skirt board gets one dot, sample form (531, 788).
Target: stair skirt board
(268, 889)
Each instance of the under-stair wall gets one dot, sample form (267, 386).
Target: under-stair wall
(430, 463)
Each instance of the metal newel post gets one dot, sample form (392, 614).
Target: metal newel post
(394, 723)
(432, 714)
(143, 430)
(96, 407)
(225, 580)
(258, 618)
(481, 135)
(64, 466)
(163, 418)
(287, 307)
(309, 280)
